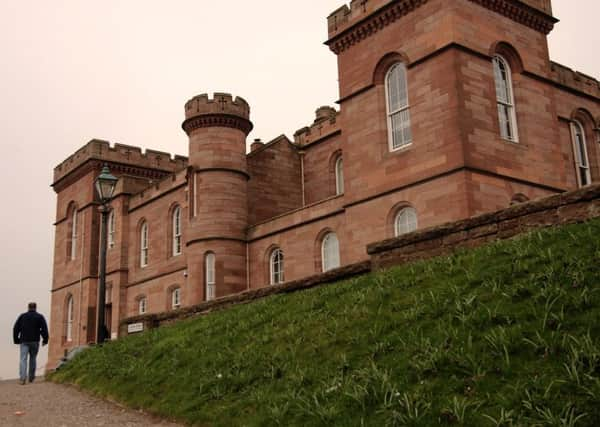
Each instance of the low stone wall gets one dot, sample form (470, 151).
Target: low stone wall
(151, 321)
(566, 208)
(572, 207)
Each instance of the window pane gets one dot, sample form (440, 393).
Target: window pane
(331, 252)
(406, 221)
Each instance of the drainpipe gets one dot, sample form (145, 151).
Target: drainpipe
(81, 281)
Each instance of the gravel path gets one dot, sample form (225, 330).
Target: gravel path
(45, 404)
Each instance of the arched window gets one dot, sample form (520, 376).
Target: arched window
(505, 99)
(209, 269)
(581, 155)
(276, 266)
(339, 176)
(176, 298)
(111, 229)
(144, 245)
(73, 233)
(176, 222)
(398, 115)
(330, 252)
(405, 221)
(69, 322)
(142, 305)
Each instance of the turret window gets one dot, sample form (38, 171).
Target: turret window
(581, 155)
(142, 305)
(398, 114)
(505, 99)
(209, 267)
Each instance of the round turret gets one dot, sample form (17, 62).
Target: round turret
(218, 183)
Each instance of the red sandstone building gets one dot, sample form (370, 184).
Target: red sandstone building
(448, 109)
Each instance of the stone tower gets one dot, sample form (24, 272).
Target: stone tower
(217, 130)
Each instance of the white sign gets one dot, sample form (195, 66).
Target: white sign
(135, 327)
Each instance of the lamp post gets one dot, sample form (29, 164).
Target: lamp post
(105, 186)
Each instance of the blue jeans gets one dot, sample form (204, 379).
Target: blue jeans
(28, 349)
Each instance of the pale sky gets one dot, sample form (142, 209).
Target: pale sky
(121, 70)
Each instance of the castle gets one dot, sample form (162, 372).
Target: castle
(448, 109)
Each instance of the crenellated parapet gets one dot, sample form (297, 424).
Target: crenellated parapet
(325, 124)
(125, 155)
(222, 110)
(350, 25)
(574, 80)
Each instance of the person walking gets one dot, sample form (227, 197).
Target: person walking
(26, 332)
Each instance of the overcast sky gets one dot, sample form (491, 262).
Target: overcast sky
(121, 70)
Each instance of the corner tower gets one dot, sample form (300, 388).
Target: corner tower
(217, 129)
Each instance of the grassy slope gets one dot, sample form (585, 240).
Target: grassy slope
(507, 332)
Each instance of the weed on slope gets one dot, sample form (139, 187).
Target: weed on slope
(506, 334)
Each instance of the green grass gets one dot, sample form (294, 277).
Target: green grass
(503, 335)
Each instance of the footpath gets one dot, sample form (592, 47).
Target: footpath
(47, 404)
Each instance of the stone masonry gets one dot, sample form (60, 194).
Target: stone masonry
(240, 207)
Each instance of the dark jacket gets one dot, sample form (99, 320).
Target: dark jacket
(28, 328)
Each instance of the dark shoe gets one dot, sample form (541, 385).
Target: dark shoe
(22, 382)
(31, 380)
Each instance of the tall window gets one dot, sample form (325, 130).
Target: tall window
(142, 305)
(581, 156)
(505, 99)
(176, 220)
(405, 222)
(209, 269)
(69, 325)
(176, 298)
(398, 115)
(276, 266)
(144, 245)
(330, 252)
(111, 229)
(74, 233)
(339, 176)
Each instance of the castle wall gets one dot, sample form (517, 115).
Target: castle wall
(157, 214)
(275, 184)
(370, 167)
(436, 202)
(158, 293)
(537, 157)
(67, 270)
(319, 168)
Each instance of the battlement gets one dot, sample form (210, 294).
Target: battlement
(542, 5)
(325, 124)
(574, 79)
(346, 15)
(220, 111)
(123, 154)
(348, 25)
(221, 103)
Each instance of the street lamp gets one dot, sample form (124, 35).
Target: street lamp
(105, 186)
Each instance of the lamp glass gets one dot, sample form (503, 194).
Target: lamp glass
(105, 184)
